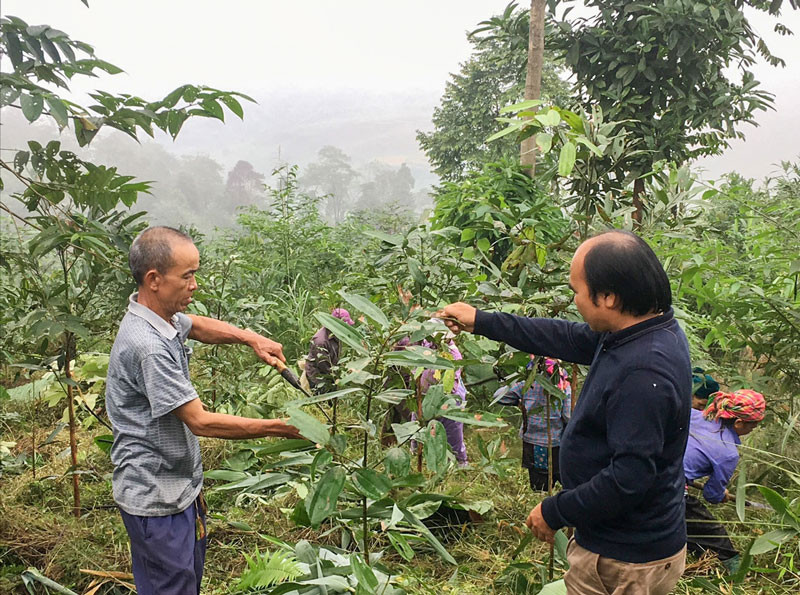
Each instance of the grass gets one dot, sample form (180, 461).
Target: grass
(37, 528)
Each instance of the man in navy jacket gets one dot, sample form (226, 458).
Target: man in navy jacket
(622, 453)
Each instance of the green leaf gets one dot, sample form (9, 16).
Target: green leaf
(104, 442)
(20, 160)
(486, 420)
(213, 109)
(240, 526)
(401, 545)
(371, 483)
(555, 588)
(590, 145)
(414, 267)
(484, 245)
(544, 140)
(436, 447)
(560, 550)
(393, 240)
(364, 575)
(433, 401)
(397, 462)
(233, 105)
(522, 105)
(309, 426)
(566, 159)
(780, 505)
(426, 533)
(741, 494)
(58, 110)
(467, 234)
(365, 306)
(321, 502)
(551, 118)
(406, 431)
(31, 106)
(171, 99)
(415, 356)
(343, 331)
(769, 541)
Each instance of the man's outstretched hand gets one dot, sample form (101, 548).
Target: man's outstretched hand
(458, 317)
(268, 350)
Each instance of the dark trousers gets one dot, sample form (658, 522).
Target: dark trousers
(704, 532)
(167, 556)
(538, 476)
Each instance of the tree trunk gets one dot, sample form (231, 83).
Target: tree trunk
(533, 77)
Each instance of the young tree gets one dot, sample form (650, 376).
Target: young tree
(492, 78)
(75, 230)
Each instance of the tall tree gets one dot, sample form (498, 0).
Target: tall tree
(331, 177)
(680, 71)
(243, 186)
(533, 76)
(492, 78)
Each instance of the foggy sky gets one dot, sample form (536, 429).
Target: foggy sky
(392, 59)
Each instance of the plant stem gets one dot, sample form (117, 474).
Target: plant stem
(69, 349)
(73, 442)
(418, 394)
(549, 474)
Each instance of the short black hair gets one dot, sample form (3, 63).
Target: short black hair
(152, 249)
(622, 263)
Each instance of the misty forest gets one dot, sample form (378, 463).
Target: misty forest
(558, 125)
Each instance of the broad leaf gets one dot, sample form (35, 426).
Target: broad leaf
(406, 431)
(397, 462)
(309, 426)
(426, 533)
(401, 545)
(433, 401)
(321, 502)
(343, 331)
(436, 447)
(486, 420)
(566, 159)
(365, 306)
(364, 574)
(371, 483)
(769, 541)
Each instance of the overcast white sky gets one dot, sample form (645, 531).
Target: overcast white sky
(372, 46)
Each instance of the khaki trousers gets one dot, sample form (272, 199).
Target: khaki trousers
(592, 574)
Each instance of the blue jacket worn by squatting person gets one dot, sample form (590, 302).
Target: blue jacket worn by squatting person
(621, 455)
(713, 452)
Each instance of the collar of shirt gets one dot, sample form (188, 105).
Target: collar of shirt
(612, 340)
(158, 323)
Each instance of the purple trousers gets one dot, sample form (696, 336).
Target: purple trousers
(455, 438)
(167, 556)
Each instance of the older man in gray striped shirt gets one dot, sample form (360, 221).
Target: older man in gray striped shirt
(157, 415)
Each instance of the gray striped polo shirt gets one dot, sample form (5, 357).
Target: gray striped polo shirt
(157, 466)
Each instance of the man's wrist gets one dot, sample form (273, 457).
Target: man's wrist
(249, 337)
(551, 515)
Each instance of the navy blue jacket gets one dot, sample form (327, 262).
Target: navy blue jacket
(622, 452)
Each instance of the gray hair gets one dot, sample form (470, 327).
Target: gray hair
(152, 249)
